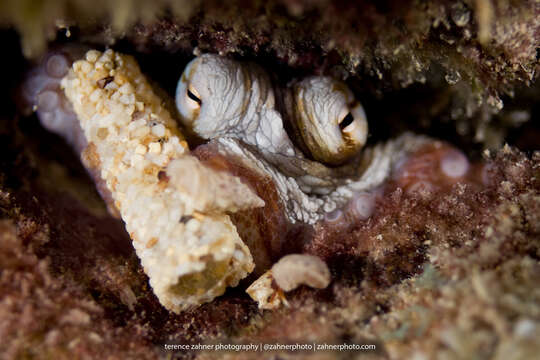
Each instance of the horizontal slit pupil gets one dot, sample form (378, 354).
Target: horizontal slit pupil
(347, 120)
(193, 97)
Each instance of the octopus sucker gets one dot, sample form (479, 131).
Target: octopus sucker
(435, 166)
(41, 92)
(454, 164)
(334, 217)
(362, 205)
(174, 207)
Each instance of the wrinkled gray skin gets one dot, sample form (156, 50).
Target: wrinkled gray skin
(325, 119)
(233, 104)
(238, 102)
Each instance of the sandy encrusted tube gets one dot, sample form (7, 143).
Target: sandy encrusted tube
(187, 244)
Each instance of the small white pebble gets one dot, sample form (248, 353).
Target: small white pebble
(136, 159)
(154, 148)
(126, 89)
(111, 86)
(94, 97)
(268, 296)
(127, 99)
(102, 133)
(140, 149)
(525, 328)
(160, 160)
(77, 65)
(85, 66)
(193, 225)
(294, 270)
(158, 130)
(92, 56)
(141, 132)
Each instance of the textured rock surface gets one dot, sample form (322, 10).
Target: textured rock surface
(449, 274)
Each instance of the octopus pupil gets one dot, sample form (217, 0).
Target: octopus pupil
(347, 120)
(193, 97)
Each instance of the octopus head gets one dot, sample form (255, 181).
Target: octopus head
(330, 123)
(214, 94)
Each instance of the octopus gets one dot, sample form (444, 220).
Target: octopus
(274, 161)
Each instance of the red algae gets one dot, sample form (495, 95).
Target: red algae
(45, 315)
(412, 252)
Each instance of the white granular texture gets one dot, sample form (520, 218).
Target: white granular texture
(172, 205)
(267, 294)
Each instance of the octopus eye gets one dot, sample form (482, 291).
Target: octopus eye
(331, 125)
(188, 98)
(346, 121)
(354, 125)
(188, 102)
(194, 95)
